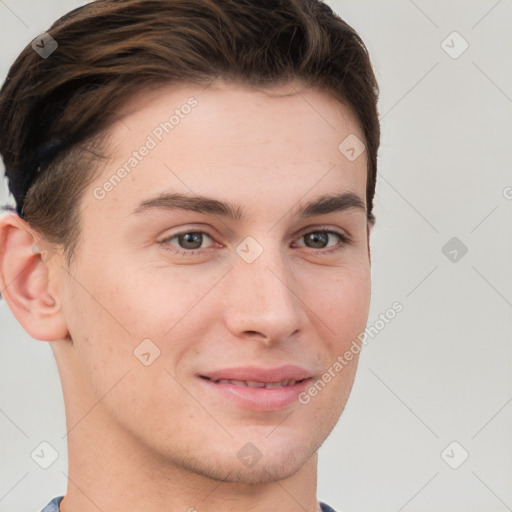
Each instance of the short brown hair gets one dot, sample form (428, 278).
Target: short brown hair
(54, 110)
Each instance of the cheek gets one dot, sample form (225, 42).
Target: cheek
(341, 302)
(341, 309)
(116, 309)
(124, 301)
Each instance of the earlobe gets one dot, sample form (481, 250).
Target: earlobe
(25, 280)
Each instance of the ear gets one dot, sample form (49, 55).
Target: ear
(25, 280)
(369, 226)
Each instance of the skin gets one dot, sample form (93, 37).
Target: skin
(152, 437)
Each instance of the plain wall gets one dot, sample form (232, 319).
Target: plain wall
(440, 371)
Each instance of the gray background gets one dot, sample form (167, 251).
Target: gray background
(441, 370)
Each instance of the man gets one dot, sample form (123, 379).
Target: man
(204, 376)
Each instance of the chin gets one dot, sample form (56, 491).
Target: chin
(276, 462)
(263, 472)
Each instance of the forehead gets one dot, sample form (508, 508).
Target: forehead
(229, 140)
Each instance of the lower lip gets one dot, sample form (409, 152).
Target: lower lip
(259, 399)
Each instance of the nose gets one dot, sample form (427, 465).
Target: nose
(261, 299)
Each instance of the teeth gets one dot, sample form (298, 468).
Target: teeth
(274, 385)
(256, 384)
(238, 382)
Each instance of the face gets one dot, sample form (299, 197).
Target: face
(203, 325)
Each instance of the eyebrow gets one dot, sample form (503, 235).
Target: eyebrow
(202, 204)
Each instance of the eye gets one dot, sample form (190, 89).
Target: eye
(189, 241)
(320, 240)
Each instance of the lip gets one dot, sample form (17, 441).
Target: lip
(258, 399)
(277, 374)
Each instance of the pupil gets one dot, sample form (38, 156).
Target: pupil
(191, 238)
(319, 237)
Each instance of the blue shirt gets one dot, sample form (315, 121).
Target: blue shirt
(53, 506)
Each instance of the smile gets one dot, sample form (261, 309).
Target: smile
(257, 384)
(257, 389)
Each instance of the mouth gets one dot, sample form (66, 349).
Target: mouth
(258, 389)
(257, 384)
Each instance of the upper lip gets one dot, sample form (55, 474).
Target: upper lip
(258, 374)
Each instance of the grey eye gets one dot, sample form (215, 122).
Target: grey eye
(318, 239)
(192, 240)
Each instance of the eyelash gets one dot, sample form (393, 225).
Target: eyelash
(344, 240)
